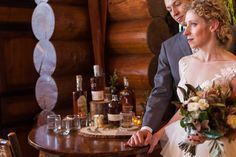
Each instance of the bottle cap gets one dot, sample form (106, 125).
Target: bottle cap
(96, 70)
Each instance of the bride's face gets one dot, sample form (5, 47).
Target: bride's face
(197, 30)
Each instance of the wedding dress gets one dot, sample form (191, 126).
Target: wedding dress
(197, 73)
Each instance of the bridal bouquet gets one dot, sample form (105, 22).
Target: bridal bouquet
(210, 112)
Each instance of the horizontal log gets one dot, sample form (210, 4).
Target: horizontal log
(71, 22)
(123, 10)
(137, 37)
(157, 8)
(69, 2)
(72, 58)
(158, 31)
(120, 10)
(18, 108)
(17, 64)
(15, 14)
(135, 67)
(128, 37)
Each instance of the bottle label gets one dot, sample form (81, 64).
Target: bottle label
(113, 117)
(97, 95)
(82, 105)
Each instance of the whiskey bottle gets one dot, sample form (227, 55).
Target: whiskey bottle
(127, 97)
(97, 84)
(79, 99)
(114, 109)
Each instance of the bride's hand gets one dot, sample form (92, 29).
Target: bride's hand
(155, 139)
(197, 138)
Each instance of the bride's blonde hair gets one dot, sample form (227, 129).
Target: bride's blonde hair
(215, 9)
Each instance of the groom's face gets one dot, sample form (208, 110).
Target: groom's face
(178, 9)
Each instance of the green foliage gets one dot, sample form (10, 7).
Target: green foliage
(113, 79)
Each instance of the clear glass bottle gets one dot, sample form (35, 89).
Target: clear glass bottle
(79, 98)
(97, 84)
(114, 109)
(127, 97)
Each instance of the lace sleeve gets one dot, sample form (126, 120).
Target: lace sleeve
(227, 73)
(182, 67)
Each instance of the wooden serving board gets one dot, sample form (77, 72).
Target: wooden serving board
(108, 132)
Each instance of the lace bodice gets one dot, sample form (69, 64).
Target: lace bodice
(220, 72)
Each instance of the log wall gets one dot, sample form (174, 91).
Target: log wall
(135, 32)
(18, 76)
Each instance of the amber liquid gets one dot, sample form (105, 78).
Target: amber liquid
(127, 98)
(97, 88)
(79, 103)
(114, 109)
(79, 99)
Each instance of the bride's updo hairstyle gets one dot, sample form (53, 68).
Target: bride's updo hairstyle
(215, 9)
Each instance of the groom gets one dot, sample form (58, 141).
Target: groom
(167, 76)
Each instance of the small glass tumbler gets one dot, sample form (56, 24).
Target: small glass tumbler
(54, 123)
(66, 125)
(126, 119)
(84, 120)
(75, 122)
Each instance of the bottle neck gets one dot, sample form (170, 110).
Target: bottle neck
(126, 82)
(79, 84)
(97, 70)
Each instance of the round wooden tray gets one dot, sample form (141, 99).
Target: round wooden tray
(108, 132)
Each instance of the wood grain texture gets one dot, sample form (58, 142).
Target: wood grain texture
(158, 31)
(18, 69)
(129, 37)
(135, 67)
(77, 145)
(96, 31)
(123, 10)
(15, 109)
(73, 57)
(72, 22)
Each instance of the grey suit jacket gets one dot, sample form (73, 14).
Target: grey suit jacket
(167, 79)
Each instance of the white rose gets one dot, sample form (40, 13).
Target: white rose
(194, 98)
(193, 106)
(203, 104)
(195, 115)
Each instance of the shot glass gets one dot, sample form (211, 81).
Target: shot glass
(54, 123)
(66, 125)
(75, 122)
(126, 119)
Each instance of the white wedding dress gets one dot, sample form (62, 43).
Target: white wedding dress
(202, 74)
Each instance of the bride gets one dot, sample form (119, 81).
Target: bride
(208, 34)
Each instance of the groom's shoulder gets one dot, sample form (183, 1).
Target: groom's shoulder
(174, 39)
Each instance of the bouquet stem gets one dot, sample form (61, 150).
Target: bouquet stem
(188, 148)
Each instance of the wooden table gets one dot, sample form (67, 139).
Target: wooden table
(76, 145)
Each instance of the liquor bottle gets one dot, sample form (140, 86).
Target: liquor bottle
(97, 84)
(79, 99)
(114, 109)
(127, 97)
